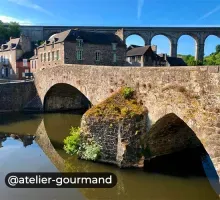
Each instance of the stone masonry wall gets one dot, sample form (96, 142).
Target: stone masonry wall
(191, 93)
(15, 96)
(89, 55)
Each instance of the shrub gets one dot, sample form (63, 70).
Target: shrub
(72, 142)
(91, 151)
(128, 92)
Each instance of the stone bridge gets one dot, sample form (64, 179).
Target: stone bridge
(189, 94)
(199, 34)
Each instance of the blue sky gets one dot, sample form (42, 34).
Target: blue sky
(120, 13)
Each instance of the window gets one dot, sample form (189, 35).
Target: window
(48, 56)
(0, 58)
(97, 56)
(45, 57)
(41, 57)
(6, 60)
(53, 45)
(114, 57)
(80, 42)
(58, 54)
(114, 46)
(3, 71)
(11, 71)
(26, 70)
(53, 55)
(25, 64)
(79, 54)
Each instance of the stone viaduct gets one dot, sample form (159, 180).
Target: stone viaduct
(147, 33)
(191, 94)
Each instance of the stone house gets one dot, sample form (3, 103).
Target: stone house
(172, 61)
(14, 62)
(144, 56)
(79, 47)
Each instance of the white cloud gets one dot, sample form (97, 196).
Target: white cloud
(29, 4)
(8, 19)
(210, 13)
(140, 7)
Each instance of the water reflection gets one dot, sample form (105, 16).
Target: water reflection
(50, 131)
(25, 139)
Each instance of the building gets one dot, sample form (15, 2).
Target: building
(79, 47)
(173, 61)
(144, 56)
(14, 62)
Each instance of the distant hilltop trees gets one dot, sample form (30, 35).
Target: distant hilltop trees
(212, 59)
(7, 30)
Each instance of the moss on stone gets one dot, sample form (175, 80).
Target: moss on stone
(122, 104)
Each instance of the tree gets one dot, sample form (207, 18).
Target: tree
(217, 49)
(8, 30)
(13, 29)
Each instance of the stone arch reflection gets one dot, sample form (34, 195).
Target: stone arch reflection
(174, 149)
(144, 183)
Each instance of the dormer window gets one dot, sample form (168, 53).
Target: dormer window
(114, 45)
(79, 42)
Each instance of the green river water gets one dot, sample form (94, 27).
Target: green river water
(20, 152)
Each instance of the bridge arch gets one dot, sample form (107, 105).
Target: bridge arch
(157, 39)
(186, 45)
(135, 39)
(143, 35)
(171, 139)
(211, 41)
(65, 97)
(199, 45)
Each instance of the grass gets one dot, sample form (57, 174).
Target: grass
(120, 104)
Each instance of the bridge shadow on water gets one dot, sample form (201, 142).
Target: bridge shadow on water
(176, 151)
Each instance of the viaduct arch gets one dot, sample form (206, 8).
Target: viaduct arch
(147, 33)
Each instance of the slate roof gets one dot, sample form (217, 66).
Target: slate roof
(173, 61)
(14, 43)
(26, 55)
(87, 36)
(139, 51)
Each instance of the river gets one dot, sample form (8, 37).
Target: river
(33, 143)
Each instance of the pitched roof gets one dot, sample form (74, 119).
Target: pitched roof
(26, 55)
(86, 36)
(11, 44)
(139, 51)
(173, 61)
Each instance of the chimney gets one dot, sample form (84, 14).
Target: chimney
(165, 56)
(120, 34)
(154, 48)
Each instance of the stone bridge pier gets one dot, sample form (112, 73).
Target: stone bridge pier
(190, 94)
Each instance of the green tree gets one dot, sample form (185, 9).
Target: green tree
(13, 29)
(8, 30)
(217, 49)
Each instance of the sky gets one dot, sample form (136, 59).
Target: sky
(120, 13)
